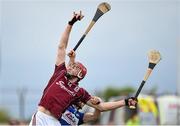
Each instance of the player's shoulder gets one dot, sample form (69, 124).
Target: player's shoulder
(60, 66)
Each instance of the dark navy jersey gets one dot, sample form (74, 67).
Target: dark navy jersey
(72, 117)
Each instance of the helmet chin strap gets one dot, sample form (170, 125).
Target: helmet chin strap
(79, 74)
(69, 76)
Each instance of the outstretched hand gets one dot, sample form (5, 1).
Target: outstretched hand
(132, 101)
(76, 17)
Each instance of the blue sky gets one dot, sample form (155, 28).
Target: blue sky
(114, 51)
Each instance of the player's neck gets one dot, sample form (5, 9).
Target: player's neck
(73, 80)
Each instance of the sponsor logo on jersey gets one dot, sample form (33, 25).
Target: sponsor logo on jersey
(61, 85)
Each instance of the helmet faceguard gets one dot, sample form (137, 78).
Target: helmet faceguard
(82, 72)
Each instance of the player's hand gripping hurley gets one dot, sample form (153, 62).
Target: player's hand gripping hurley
(102, 9)
(154, 57)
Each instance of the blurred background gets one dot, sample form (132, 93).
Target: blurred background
(114, 51)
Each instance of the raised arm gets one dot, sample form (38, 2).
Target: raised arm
(61, 52)
(72, 56)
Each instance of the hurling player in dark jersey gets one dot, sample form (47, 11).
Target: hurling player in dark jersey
(63, 88)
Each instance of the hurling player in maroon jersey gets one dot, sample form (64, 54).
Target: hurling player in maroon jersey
(63, 89)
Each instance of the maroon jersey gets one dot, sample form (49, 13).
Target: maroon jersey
(60, 92)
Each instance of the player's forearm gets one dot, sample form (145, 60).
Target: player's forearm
(65, 37)
(106, 106)
(72, 60)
